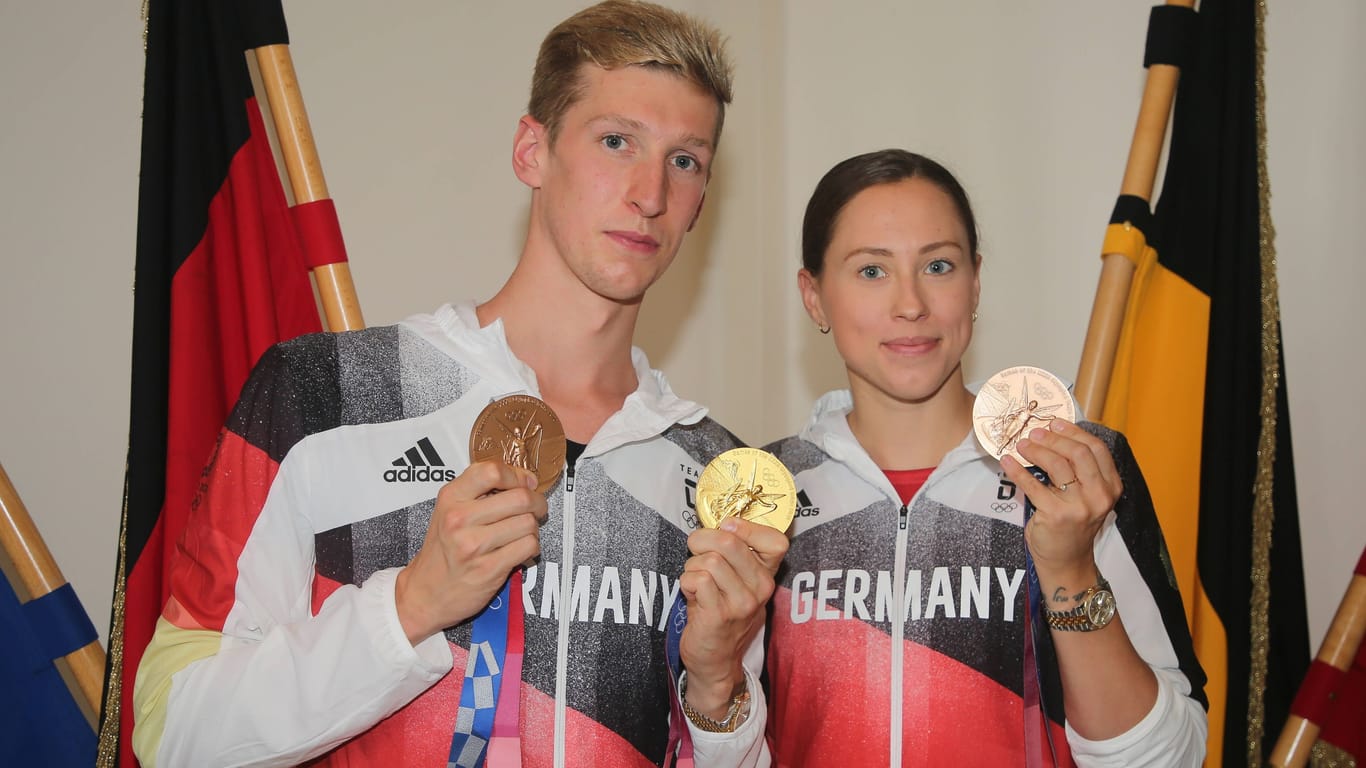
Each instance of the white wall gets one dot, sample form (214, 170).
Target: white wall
(413, 106)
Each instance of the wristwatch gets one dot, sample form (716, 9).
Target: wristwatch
(1097, 609)
(735, 714)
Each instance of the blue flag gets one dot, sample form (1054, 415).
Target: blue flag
(40, 722)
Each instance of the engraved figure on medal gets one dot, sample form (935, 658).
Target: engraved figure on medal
(740, 497)
(523, 445)
(521, 431)
(765, 494)
(1013, 402)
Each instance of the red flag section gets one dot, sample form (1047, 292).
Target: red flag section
(220, 277)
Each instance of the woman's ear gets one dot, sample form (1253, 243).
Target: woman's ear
(811, 298)
(976, 283)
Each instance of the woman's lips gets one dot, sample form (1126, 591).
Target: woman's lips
(914, 345)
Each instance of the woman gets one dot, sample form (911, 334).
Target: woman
(902, 506)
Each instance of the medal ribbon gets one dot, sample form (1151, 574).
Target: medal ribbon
(485, 733)
(1035, 723)
(679, 753)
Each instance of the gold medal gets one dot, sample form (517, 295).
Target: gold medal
(520, 431)
(1014, 402)
(747, 483)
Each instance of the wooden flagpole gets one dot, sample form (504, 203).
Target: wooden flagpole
(38, 575)
(1338, 650)
(341, 307)
(1117, 271)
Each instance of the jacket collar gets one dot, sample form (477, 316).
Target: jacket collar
(829, 430)
(645, 414)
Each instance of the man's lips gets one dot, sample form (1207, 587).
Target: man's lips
(635, 241)
(912, 345)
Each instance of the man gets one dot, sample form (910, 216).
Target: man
(341, 591)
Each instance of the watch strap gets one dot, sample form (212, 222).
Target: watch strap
(1077, 618)
(735, 713)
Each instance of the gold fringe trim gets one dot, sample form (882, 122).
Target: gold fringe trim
(107, 753)
(1325, 755)
(1263, 510)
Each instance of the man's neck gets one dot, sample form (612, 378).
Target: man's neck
(578, 343)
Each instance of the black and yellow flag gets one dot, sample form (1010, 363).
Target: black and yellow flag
(1199, 386)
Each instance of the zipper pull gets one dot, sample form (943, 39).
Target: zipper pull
(904, 509)
(569, 478)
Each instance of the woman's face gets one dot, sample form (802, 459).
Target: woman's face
(898, 289)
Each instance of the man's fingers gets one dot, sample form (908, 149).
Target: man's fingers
(717, 586)
(505, 532)
(768, 544)
(486, 477)
(739, 571)
(699, 588)
(753, 539)
(459, 509)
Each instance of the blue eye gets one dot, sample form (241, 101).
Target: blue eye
(614, 141)
(685, 163)
(872, 272)
(939, 267)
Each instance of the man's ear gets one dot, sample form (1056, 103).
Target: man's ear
(529, 147)
(697, 214)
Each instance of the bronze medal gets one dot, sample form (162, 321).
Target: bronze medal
(747, 483)
(1014, 402)
(520, 431)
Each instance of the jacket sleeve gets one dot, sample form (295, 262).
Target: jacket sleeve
(1172, 734)
(241, 670)
(1131, 553)
(746, 747)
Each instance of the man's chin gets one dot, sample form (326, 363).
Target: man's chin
(623, 293)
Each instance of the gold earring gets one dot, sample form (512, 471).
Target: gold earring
(974, 315)
(823, 328)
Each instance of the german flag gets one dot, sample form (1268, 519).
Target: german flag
(1199, 383)
(220, 276)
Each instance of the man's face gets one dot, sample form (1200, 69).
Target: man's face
(623, 181)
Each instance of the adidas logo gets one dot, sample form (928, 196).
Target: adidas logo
(418, 464)
(804, 506)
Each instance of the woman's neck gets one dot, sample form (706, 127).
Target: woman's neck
(911, 435)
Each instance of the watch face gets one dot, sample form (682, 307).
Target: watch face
(1100, 608)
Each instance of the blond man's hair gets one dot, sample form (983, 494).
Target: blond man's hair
(623, 33)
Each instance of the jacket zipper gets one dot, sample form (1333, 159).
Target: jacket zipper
(898, 632)
(562, 641)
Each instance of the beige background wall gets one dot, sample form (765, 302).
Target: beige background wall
(414, 103)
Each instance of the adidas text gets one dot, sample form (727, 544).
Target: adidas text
(419, 475)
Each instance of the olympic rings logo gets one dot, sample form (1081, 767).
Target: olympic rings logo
(1002, 507)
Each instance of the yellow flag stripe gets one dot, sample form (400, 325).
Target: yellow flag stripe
(1156, 398)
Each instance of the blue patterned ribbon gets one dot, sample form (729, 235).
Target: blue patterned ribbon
(680, 753)
(483, 677)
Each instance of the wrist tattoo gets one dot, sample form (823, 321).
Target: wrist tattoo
(1060, 596)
